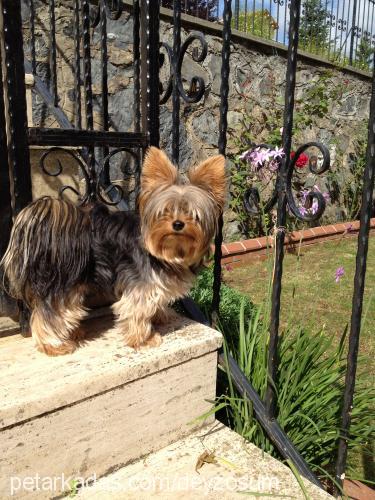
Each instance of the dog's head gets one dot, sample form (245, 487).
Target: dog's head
(179, 216)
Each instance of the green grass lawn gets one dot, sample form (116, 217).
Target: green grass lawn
(311, 297)
(310, 294)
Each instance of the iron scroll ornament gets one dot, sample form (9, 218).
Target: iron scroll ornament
(197, 85)
(94, 189)
(252, 198)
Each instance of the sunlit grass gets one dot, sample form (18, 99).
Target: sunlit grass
(310, 295)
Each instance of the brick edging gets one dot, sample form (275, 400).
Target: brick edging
(240, 251)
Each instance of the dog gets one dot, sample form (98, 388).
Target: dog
(147, 259)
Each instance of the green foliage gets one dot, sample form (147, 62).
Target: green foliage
(314, 30)
(309, 384)
(364, 54)
(259, 23)
(230, 299)
(349, 189)
(312, 107)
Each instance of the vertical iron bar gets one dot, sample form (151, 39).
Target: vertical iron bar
(136, 79)
(371, 25)
(342, 26)
(88, 93)
(353, 31)
(277, 21)
(8, 306)
(253, 23)
(136, 66)
(175, 92)
(359, 285)
(326, 11)
(52, 34)
(104, 60)
(223, 124)
(285, 20)
(368, 28)
(5, 196)
(245, 19)
(330, 33)
(337, 23)
(336, 28)
(15, 99)
(270, 398)
(236, 13)
(16, 114)
(32, 36)
(150, 69)
(77, 64)
(269, 21)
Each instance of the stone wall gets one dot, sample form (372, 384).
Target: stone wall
(257, 82)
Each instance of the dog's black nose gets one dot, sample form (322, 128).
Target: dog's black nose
(178, 225)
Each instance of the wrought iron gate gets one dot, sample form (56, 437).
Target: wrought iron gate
(97, 146)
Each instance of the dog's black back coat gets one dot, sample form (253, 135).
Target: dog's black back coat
(118, 254)
(58, 246)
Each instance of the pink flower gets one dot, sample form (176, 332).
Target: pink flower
(257, 157)
(278, 153)
(339, 274)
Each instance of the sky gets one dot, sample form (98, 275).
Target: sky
(340, 10)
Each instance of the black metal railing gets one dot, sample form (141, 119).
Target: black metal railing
(341, 31)
(97, 144)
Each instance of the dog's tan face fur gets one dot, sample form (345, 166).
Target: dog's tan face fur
(179, 217)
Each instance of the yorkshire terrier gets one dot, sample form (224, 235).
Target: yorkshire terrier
(147, 260)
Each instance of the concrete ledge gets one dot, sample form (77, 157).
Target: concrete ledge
(174, 472)
(103, 405)
(246, 250)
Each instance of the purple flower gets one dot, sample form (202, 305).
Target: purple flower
(278, 153)
(349, 227)
(257, 157)
(339, 273)
(245, 155)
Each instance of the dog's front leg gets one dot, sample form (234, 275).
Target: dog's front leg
(134, 314)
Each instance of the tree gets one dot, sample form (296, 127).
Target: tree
(364, 54)
(205, 9)
(314, 28)
(259, 23)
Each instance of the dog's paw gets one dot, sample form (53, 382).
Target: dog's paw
(154, 341)
(136, 343)
(61, 350)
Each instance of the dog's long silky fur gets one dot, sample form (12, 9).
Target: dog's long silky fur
(58, 251)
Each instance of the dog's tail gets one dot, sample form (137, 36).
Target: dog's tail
(48, 252)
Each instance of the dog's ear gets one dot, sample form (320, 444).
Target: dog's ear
(157, 171)
(210, 176)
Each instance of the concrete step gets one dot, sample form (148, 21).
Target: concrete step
(211, 463)
(103, 406)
